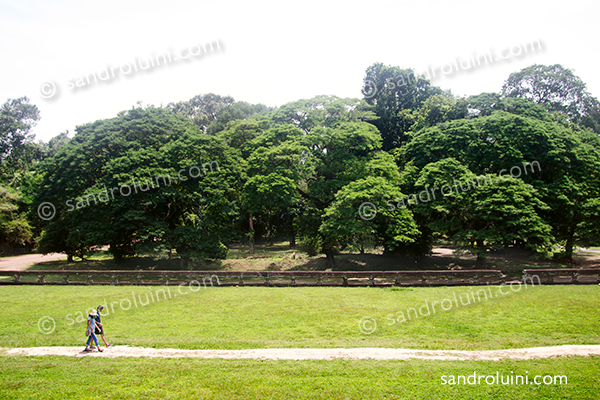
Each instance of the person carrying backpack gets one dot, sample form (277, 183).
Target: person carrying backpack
(99, 327)
(91, 331)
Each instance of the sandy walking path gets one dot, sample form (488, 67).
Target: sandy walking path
(587, 250)
(315, 354)
(22, 262)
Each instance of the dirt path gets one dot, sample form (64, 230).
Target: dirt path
(22, 262)
(588, 250)
(315, 354)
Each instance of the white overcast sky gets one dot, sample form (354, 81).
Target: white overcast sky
(273, 52)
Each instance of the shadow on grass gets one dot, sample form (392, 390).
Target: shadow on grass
(129, 264)
(387, 262)
(507, 260)
(278, 258)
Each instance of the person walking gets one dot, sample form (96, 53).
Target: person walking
(91, 329)
(99, 327)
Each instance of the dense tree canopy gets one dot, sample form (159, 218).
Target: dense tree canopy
(558, 89)
(146, 179)
(553, 159)
(393, 93)
(397, 170)
(17, 151)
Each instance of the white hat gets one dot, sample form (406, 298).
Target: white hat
(93, 313)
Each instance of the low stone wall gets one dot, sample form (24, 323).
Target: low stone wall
(300, 278)
(570, 276)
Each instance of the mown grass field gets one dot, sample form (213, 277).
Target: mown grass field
(192, 317)
(239, 318)
(93, 378)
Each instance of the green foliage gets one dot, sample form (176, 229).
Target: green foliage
(312, 245)
(558, 89)
(17, 150)
(240, 135)
(562, 166)
(304, 169)
(237, 111)
(15, 230)
(321, 111)
(56, 144)
(390, 226)
(147, 178)
(505, 212)
(393, 94)
(202, 110)
(485, 104)
(272, 195)
(19, 178)
(298, 164)
(437, 109)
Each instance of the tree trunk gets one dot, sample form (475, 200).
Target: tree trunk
(251, 250)
(330, 259)
(184, 262)
(570, 244)
(480, 262)
(292, 234)
(481, 255)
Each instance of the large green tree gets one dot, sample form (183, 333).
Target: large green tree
(323, 145)
(394, 93)
(275, 168)
(480, 212)
(18, 157)
(211, 112)
(147, 179)
(202, 109)
(339, 156)
(360, 214)
(17, 150)
(558, 89)
(561, 164)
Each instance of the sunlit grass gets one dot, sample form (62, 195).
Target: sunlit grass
(94, 378)
(243, 317)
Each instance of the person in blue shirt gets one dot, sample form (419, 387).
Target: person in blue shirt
(91, 329)
(99, 327)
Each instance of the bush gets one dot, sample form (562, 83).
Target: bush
(311, 244)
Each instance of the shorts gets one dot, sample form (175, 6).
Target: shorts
(99, 331)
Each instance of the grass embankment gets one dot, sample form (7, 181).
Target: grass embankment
(93, 378)
(191, 317)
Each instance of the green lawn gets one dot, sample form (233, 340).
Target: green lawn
(243, 317)
(102, 378)
(237, 318)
